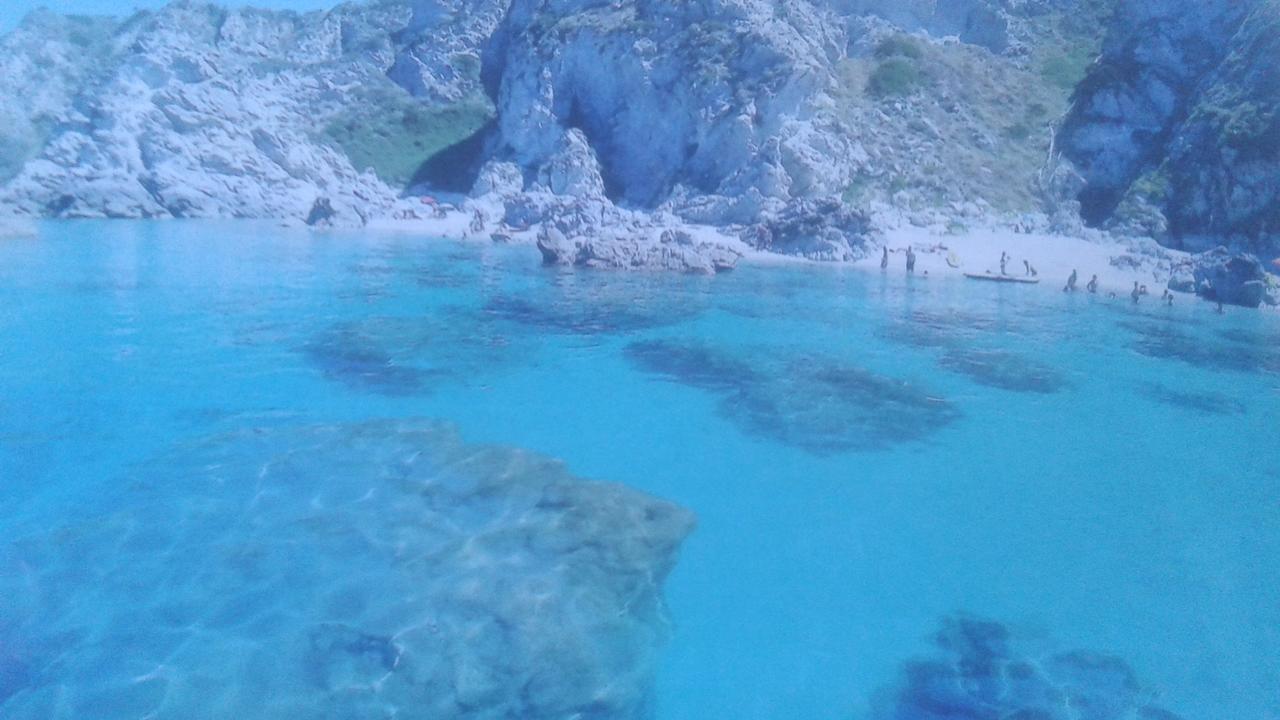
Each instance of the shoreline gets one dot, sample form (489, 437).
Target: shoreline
(1118, 262)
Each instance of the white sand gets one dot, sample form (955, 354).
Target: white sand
(1053, 257)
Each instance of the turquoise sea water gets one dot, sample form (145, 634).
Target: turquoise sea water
(879, 466)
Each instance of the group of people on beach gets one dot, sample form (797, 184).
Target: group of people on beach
(1139, 290)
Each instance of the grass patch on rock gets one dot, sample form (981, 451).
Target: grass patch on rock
(395, 134)
(895, 77)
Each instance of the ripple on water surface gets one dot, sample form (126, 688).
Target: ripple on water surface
(373, 570)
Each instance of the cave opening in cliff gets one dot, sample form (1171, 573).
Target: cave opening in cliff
(1097, 205)
(615, 186)
(455, 168)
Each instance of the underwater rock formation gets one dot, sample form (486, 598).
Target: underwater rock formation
(978, 672)
(382, 569)
(1004, 370)
(1204, 403)
(816, 404)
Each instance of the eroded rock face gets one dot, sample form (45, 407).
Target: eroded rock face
(721, 96)
(1180, 116)
(440, 59)
(1233, 279)
(370, 570)
(197, 111)
(639, 248)
(816, 229)
(1224, 163)
(978, 22)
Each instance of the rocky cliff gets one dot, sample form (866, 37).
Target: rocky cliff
(626, 116)
(1176, 130)
(194, 111)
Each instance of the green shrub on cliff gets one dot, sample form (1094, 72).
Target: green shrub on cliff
(398, 135)
(899, 46)
(894, 77)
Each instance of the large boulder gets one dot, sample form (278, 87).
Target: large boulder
(573, 169)
(1234, 279)
(819, 229)
(647, 248)
(498, 178)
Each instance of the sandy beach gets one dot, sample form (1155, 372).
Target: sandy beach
(1118, 263)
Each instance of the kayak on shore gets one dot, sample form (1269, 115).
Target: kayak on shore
(992, 277)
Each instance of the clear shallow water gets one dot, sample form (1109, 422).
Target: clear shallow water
(868, 458)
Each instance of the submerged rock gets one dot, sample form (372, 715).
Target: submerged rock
(373, 570)
(977, 671)
(816, 404)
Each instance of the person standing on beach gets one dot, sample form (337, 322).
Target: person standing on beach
(884, 259)
(1092, 287)
(911, 260)
(1004, 261)
(1071, 282)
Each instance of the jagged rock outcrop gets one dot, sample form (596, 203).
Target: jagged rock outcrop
(197, 111)
(1222, 276)
(442, 44)
(647, 246)
(822, 229)
(731, 113)
(719, 96)
(1180, 115)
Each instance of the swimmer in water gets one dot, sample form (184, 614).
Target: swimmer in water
(1092, 287)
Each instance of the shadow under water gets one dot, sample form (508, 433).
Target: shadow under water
(1169, 343)
(804, 401)
(1003, 370)
(565, 316)
(1204, 403)
(407, 356)
(373, 570)
(977, 674)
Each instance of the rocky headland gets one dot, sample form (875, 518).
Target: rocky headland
(646, 134)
